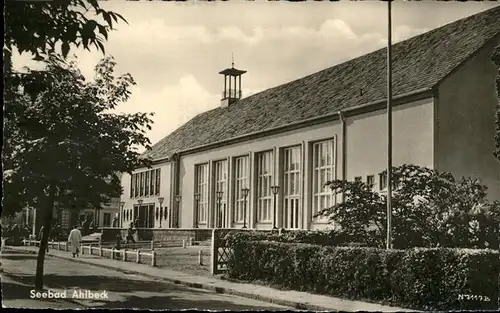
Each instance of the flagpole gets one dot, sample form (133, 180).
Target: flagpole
(389, 127)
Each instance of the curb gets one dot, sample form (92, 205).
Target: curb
(292, 304)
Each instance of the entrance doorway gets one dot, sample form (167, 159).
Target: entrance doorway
(146, 216)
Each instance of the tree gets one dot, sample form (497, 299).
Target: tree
(430, 209)
(66, 144)
(496, 59)
(43, 28)
(40, 27)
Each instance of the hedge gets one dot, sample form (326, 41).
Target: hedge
(319, 237)
(422, 279)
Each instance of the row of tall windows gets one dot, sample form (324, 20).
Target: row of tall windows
(145, 184)
(323, 170)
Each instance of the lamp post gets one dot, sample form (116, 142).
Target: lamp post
(219, 213)
(160, 200)
(174, 217)
(136, 218)
(121, 214)
(197, 199)
(34, 223)
(94, 219)
(275, 189)
(245, 192)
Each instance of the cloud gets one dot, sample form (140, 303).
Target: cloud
(173, 105)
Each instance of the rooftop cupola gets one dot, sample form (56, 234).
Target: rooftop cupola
(232, 85)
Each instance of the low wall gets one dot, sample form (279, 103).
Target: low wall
(159, 235)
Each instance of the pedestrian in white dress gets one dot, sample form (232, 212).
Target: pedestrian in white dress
(75, 239)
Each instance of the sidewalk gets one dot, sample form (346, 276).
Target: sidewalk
(294, 299)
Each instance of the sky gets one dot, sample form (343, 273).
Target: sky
(175, 51)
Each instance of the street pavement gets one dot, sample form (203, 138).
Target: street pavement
(123, 290)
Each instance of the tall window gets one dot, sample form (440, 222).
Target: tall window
(221, 185)
(146, 192)
(383, 181)
(370, 181)
(324, 171)
(264, 182)
(141, 184)
(241, 181)
(132, 186)
(158, 179)
(202, 189)
(136, 183)
(152, 180)
(291, 186)
(107, 220)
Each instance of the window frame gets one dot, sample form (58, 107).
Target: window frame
(264, 196)
(158, 182)
(240, 182)
(202, 184)
(320, 194)
(217, 181)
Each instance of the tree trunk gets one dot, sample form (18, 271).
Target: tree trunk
(47, 221)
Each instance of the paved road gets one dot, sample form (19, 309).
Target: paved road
(124, 291)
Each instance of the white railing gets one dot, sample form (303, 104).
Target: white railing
(113, 253)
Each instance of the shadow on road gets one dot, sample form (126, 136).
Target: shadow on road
(12, 256)
(133, 292)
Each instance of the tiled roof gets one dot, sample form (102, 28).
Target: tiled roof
(419, 62)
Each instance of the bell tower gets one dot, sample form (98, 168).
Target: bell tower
(232, 85)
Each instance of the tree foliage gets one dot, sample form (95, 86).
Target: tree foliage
(65, 143)
(496, 59)
(430, 209)
(44, 27)
(66, 135)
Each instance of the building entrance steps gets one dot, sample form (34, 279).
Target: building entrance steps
(294, 299)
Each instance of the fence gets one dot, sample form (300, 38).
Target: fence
(111, 253)
(220, 251)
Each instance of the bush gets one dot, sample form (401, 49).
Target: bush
(316, 237)
(424, 279)
(429, 209)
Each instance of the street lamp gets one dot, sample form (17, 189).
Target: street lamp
(275, 190)
(121, 214)
(160, 200)
(245, 192)
(176, 220)
(219, 213)
(197, 199)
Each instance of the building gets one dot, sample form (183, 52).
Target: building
(331, 124)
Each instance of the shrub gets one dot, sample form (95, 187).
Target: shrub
(429, 209)
(428, 279)
(316, 237)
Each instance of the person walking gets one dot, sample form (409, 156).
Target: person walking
(130, 234)
(75, 239)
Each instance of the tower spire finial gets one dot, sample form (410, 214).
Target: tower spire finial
(232, 59)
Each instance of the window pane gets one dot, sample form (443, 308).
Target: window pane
(147, 184)
(131, 186)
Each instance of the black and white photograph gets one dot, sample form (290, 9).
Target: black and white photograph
(251, 155)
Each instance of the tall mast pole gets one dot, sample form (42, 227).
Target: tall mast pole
(389, 127)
